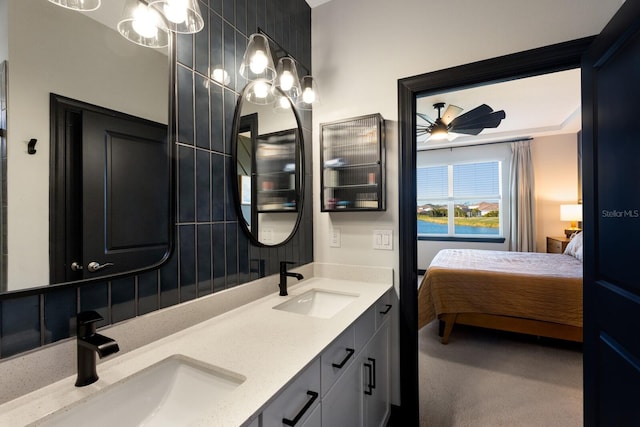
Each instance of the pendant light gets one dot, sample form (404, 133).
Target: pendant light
(81, 5)
(143, 25)
(309, 95)
(257, 62)
(287, 77)
(260, 92)
(182, 16)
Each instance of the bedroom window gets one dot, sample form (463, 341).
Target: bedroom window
(460, 200)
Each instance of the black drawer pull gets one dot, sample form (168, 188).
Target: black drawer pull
(386, 310)
(304, 409)
(373, 362)
(370, 391)
(341, 364)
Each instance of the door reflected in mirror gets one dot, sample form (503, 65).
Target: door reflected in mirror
(78, 55)
(269, 170)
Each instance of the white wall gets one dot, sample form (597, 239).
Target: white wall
(555, 164)
(102, 68)
(362, 47)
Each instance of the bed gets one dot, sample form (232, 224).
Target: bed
(524, 292)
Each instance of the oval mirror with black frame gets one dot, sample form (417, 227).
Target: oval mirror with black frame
(268, 165)
(75, 66)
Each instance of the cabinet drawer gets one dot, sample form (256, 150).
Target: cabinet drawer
(298, 399)
(385, 307)
(335, 360)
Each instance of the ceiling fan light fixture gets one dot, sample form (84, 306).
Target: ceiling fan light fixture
(439, 132)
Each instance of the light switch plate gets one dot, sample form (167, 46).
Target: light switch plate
(383, 239)
(334, 238)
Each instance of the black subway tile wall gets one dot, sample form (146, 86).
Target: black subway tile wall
(211, 252)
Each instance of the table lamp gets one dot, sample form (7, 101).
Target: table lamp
(572, 213)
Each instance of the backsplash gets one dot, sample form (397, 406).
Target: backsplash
(211, 252)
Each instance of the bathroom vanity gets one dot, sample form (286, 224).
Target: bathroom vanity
(318, 357)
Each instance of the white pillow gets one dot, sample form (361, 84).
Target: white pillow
(574, 248)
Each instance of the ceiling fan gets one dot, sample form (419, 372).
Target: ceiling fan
(470, 123)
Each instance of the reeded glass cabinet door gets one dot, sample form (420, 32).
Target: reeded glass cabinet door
(353, 164)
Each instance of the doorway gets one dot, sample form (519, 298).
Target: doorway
(560, 57)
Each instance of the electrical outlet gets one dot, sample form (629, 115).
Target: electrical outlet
(383, 239)
(334, 238)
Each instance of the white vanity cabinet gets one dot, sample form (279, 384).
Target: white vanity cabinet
(298, 401)
(351, 377)
(361, 393)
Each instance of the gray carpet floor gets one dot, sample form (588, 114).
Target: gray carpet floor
(489, 378)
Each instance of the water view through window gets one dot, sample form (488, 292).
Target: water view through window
(459, 200)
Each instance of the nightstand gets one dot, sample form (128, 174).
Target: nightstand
(557, 245)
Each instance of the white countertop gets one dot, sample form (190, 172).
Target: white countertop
(268, 347)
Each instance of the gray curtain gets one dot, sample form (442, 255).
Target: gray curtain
(522, 236)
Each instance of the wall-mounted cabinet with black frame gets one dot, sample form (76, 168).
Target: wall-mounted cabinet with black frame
(276, 168)
(353, 164)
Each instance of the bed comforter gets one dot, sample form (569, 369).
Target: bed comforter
(539, 286)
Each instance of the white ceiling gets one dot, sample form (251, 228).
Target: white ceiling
(535, 106)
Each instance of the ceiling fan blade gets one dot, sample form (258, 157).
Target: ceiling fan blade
(425, 118)
(451, 113)
(473, 127)
(471, 115)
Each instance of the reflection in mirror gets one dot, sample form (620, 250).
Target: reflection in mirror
(80, 56)
(268, 165)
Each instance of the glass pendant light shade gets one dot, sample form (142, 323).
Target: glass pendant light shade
(260, 92)
(143, 25)
(82, 5)
(182, 16)
(287, 77)
(309, 94)
(282, 103)
(257, 62)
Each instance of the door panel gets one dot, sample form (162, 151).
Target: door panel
(611, 156)
(125, 211)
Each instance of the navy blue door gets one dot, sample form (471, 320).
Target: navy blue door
(611, 170)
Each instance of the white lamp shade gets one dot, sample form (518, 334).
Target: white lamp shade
(570, 212)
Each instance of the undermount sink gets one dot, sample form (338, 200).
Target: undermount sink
(317, 303)
(175, 391)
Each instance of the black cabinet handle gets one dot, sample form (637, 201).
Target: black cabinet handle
(373, 363)
(340, 365)
(370, 391)
(304, 409)
(386, 310)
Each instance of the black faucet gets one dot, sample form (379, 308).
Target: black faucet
(90, 344)
(283, 277)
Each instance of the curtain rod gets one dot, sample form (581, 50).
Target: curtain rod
(477, 145)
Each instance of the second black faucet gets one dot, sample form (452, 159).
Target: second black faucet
(283, 277)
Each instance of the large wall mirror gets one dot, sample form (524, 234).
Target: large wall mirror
(82, 60)
(268, 165)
